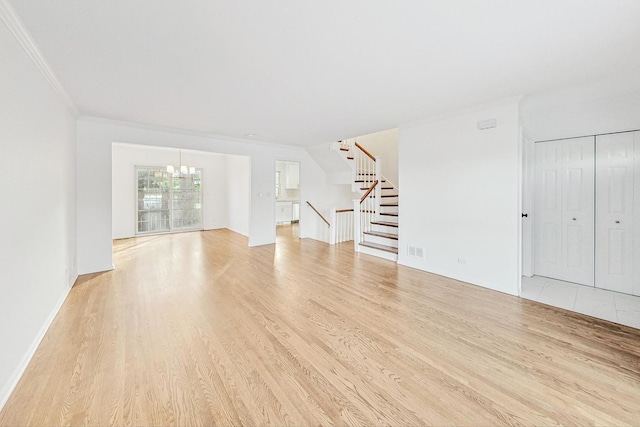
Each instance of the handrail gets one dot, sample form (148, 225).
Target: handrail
(368, 191)
(319, 214)
(344, 210)
(364, 150)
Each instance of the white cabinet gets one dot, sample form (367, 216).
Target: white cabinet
(296, 211)
(618, 212)
(293, 175)
(284, 212)
(564, 213)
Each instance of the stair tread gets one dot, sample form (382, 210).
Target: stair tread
(389, 213)
(385, 223)
(380, 247)
(362, 180)
(344, 149)
(350, 158)
(381, 234)
(388, 195)
(389, 204)
(382, 188)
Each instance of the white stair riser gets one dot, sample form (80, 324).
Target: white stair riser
(378, 253)
(384, 229)
(389, 218)
(381, 240)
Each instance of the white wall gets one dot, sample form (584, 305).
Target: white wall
(238, 193)
(126, 156)
(94, 140)
(582, 110)
(37, 167)
(384, 144)
(460, 196)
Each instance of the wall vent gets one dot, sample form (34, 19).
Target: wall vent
(487, 124)
(415, 252)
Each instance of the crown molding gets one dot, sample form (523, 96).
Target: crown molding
(19, 31)
(186, 132)
(466, 110)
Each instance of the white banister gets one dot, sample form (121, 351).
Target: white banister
(357, 239)
(333, 230)
(344, 225)
(342, 222)
(378, 193)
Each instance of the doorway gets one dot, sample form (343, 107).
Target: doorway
(287, 197)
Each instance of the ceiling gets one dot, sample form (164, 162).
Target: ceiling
(303, 72)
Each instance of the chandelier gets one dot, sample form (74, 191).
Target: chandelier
(183, 170)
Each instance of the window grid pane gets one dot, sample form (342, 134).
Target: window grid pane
(168, 202)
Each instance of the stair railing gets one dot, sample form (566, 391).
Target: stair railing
(347, 145)
(342, 229)
(364, 212)
(368, 176)
(319, 214)
(365, 167)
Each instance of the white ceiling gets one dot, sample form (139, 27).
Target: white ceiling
(304, 72)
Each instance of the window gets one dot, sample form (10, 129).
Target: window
(168, 202)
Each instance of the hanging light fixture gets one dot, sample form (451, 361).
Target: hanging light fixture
(184, 170)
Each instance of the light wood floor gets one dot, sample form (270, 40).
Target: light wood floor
(199, 329)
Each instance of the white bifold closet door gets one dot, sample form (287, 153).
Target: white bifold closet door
(618, 212)
(564, 210)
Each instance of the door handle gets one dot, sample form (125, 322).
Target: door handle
(524, 215)
(574, 219)
(617, 222)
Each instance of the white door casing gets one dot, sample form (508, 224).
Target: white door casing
(616, 226)
(527, 233)
(564, 210)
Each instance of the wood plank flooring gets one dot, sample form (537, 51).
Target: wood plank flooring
(199, 329)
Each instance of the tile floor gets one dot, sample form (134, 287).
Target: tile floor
(600, 303)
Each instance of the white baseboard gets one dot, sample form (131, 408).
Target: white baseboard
(8, 388)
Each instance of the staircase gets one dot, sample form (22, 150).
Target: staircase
(376, 213)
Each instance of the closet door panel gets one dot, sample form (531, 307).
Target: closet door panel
(548, 210)
(564, 212)
(615, 228)
(578, 210)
